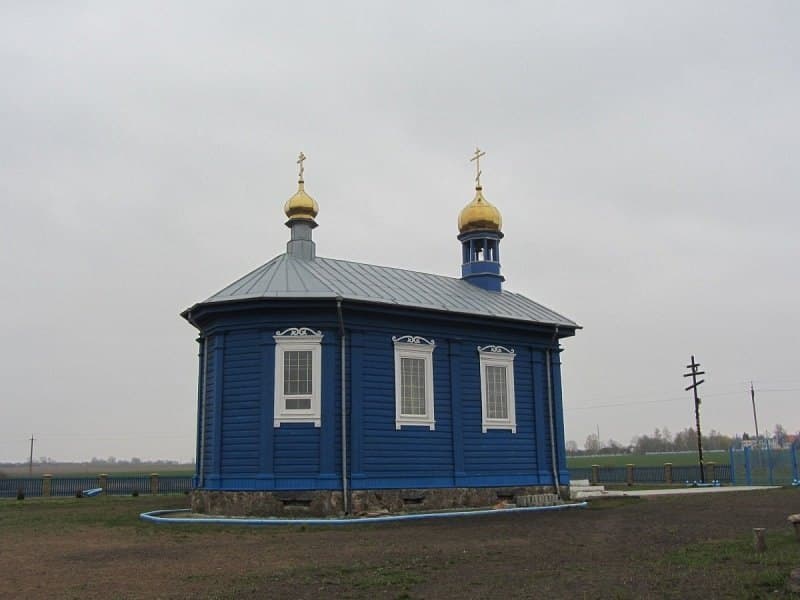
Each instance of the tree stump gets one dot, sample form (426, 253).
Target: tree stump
(794, 581)
(795, 521)
(759, 539)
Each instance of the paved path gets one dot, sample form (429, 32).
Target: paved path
(580, 489)
(701, 490)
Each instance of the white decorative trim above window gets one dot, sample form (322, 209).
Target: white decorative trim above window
(498, 406)
(298, 376)
(413, 339)
(495, 349)
(298, 331)
(413, 381)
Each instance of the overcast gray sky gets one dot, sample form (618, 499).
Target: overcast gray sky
(644, 156)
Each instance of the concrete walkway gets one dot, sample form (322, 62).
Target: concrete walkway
(701, 490)
(582, 490)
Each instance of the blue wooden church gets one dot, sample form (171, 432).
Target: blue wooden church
(328, 386)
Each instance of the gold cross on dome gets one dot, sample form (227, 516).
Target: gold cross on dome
(300, 158)
(477, 159)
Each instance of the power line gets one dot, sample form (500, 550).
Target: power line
(678, 399)
(618, 404)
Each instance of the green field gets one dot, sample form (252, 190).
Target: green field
(678, 459)
(99, 548)
(92, 470)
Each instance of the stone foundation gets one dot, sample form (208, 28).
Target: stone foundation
(326, 503)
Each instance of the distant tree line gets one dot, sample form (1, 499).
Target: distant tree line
(135, 461)
(662, 440)
(99, 461)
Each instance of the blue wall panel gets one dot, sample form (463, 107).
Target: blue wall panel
(561, 455)
(297, 449)
(498, 452)
(240, 407)
(209, 415)
(256, 455)
(413, 451)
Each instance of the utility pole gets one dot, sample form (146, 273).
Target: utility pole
(755, 418)
(30, 463)
(693, 374)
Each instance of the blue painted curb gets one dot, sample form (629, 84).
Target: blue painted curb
(155, 516)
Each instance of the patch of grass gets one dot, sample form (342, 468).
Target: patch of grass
(362, 579)
(624, 487)
(379, 577)
(365, 576)
(42, 514)
(679, 459)
(758, 575)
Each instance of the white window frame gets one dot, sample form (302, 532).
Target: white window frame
(498, 356)
(413, 346)
(298, 338)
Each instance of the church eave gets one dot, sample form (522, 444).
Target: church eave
(202, 310)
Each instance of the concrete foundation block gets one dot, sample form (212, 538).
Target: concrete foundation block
(323, 503)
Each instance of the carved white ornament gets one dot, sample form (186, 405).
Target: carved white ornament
(413, 339)
(496, 349)
(298, 331)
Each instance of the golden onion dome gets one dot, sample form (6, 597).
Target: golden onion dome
(301, 205)
(479, 215)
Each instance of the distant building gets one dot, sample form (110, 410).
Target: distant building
(328, 386)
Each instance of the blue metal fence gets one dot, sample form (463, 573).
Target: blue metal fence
(175, 485)
(649, 474)
(686, 473)
(613, 474)
(765, 466)
(723, 473)
(580, 473)
(70, 486)
(128, 485)
(10, 487)
(751, 466)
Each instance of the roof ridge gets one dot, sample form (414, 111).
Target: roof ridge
(274, 271)
(296, 264)
(235, 286)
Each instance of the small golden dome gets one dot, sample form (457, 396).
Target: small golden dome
(301, 205)
(479, 214)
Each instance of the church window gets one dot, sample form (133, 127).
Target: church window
(298, 370)
(413, 374)
(297, 379)
(497, 388)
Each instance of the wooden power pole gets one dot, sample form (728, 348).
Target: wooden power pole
(30, 462)
(693, 374)
(755, 418)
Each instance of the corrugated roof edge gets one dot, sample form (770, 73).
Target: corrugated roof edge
(187, 312)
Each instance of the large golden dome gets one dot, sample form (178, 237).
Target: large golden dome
(479, 215)
(301, 205)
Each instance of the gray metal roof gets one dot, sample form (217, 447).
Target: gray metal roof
(290, 277)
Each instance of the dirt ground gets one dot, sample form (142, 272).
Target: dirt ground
(662, 547)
